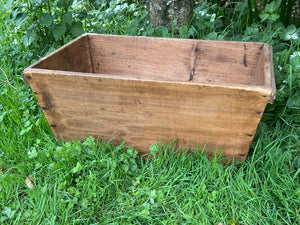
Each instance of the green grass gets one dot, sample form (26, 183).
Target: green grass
(94, 182)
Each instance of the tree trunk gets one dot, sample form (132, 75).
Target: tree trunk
(163, 12)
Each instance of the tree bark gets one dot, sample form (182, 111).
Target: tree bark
(163, 12)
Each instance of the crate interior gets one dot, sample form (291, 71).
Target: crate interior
(161, 59)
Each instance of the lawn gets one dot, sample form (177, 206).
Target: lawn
(46, 181)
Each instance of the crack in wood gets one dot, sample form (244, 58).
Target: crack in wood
(192, 72)
(245, 60)
(137, 101)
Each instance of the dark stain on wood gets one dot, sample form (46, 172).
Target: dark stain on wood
(261, 47)
(258, 113)
(137, 101)
(53, 125)
(221, 59)
(245, 60)
(47, 101)
(249, 135)
(192, 72)
(245, 47)
(98, 66)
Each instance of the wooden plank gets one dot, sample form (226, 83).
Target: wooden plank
(168, 59)
(74, 56)
(259, 74)
(264, 72)
(269, 73)
(144, 112)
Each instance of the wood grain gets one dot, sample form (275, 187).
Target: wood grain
(174, 59)
(141, 90)
(74, 56)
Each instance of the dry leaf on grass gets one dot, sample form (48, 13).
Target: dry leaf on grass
(29, 182)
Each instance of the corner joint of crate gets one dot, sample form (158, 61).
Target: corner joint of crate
(26, 78)
(272, 98)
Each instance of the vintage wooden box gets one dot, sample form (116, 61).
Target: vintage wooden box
(148, 90)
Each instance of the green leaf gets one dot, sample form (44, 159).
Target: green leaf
(8, 4)
(76, 29)
(60, 3)
(58, 31)
(294, 101)
(28, 38)
(183, 32)
(264, 16)
(273, 17)
(3, 218)
(25, 131)
(290, 33)
(64, 3)
(133, 27)
(67, 18)
(77, 168)
(2, 116)
(162, 32)
(32, 154)
(46, 19)
(144, 212)
(297, 192)
(271, 8)
(154, 149)
(8, 212)
(20, 18)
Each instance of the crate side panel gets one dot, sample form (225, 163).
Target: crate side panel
(72, 57)
(213, 62)
(142, 57)
(259, 76)
(142, 113)
(227, 62)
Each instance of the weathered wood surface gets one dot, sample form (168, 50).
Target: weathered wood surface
(149, 90)
(173, 60)
(73, 57)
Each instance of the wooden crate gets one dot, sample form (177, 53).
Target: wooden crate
(146, 90)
